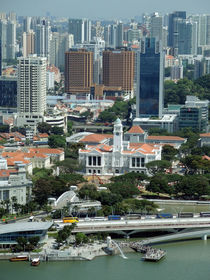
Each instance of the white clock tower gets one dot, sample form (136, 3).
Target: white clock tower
(118, 136)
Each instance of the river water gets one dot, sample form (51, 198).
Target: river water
(188, 260)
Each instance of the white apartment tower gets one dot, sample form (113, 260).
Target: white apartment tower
(32, 85)
(31, 90)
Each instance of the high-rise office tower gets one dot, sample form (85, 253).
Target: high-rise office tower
(28, 43)
(11, 39)
(81, 29)
(186, 37)
(26, 24)
(32, 85)
(172, 32)
(150, 77)
(3, 37)
(107, 31)
(59, 44)
(42, 38)
(8, 39)
(156, 27)
(119, 35)
(78, 71)
(118, 69)
(116, 35)
(0, 59)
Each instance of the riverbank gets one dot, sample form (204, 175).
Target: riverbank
(71, 253)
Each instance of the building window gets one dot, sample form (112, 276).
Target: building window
(138, 162)
(94, 171)
(142, 162)
(99, 171)
(89, 171)
(133, 162)
(90, 161)
(99, 161)
(117, 171)
(94, 161)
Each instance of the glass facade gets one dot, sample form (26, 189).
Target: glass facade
(12, 237)
(8, 92)
(150, 75)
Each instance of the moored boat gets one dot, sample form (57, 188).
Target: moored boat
(35, 261)
(19, 258)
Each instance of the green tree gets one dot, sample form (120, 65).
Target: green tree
(88, 191)
(158, 184)
(44, 127)
(169, 152)
(57, 141)
(80, 238)
(56, 130)
(123, 189)
(193, 186)
(158, 166)
(22, 242)
(34, 240)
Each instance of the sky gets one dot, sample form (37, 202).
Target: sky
(98, 9)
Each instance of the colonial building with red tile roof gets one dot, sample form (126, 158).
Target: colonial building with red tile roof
(14, 183)
(205, 139)
(121, 156)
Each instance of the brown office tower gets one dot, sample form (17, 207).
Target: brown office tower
(118, 69)
(78, 71)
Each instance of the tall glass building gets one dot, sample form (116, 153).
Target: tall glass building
(150, 75)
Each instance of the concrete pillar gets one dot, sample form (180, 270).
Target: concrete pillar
(204, 237)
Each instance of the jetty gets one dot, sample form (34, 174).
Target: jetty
(150, 253)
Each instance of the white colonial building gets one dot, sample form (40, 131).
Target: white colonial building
(119, 156)
(14, 183)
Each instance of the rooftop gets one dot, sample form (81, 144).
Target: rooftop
(24, 226)
(135, 129)
(96, 138)
(165, 138)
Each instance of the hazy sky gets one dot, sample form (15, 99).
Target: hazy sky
(114, 9)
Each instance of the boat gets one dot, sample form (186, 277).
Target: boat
(19, 258)
(35, 261)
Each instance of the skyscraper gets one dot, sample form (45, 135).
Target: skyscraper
(172, 33)
(78, 71)
(31, 91)
(28, 43)
(32, 85)
(81, 29)
(8, 39)
(156, 26)
(42, 38)
(150, 68)
(186, 37)
(0, 58)
(118, 69)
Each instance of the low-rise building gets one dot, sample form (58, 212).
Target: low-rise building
(205, 139)
(10, 232)
(14, 183)
(121, 157)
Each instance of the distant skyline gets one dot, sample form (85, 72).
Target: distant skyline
(98, 9)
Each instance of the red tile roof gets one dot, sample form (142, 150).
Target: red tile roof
(205, 135)
(136, 129)
(7, 172)
(46, 150)
(96, 138)
(43, 135)
(165, 138)
(206, 157)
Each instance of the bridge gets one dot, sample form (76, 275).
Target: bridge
(185, 227)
